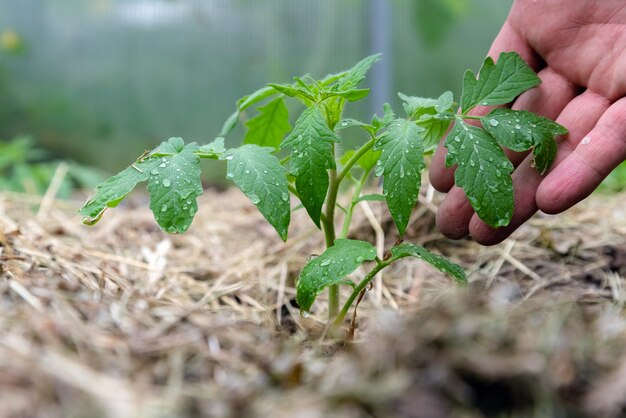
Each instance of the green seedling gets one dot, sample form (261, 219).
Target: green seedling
(277, 161)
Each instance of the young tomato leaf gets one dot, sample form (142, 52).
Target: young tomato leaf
(110, 193)
(230, 123)
(244, 103)
(331, 268)
(261, 177)
(388, 116)
(401, 164)
(445, 102)
(497, 83)
(426, 112)
(311, 156)
(440, 263)
(418, 106)
(170, 147)
(521, 130)
(353, 95)
(268, 128)
(350, 123)
(254, 98)
(212, 151)
(291, 91)
(434, 128)
(174, 185)
(483, 172)
(356, 74)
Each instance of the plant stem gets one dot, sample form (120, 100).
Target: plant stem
(355, 293)
(354, 159)
(328, 224)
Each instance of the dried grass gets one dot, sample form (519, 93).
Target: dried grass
(120, 320)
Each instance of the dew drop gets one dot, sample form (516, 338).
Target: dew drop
(518, 127)
(254, 198)
(485, 103)
(493, 122)
(325, 262)
(359, 259)
(162, 165)
(163, 208)
(229, 157)
(457, 139)
(154, 172)
(586, 140)
(401, 172)
(285, 196)
(167, 183)
(304, 314)
(247, 171)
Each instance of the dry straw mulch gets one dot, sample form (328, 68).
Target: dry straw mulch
(121, 320)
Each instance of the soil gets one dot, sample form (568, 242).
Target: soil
(122, 320)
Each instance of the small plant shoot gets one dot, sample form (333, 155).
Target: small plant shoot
(278, 160)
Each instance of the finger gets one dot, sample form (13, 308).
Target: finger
(584, 168)
(454, 214)
(442, 177)
(548, 100)
(579, 116)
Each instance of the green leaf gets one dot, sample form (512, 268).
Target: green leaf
(212, 151)
(401, 163)
(174, 185)
(331, 268)
(499, 83)
(520, 130)
(291, 91)
(170, 147)
(268, 128)
(261, 177)
(445, 102)
(230, 124)
(356, 74)
(110, 193)
(418, 106)
(254, 98)
(311, 156)
(441, 263)
(350, 123)
(483, 172)
(434, 128)
(388, 116)
(432, 116)
(350, 95)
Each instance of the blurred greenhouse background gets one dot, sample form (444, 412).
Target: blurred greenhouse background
(99, 81)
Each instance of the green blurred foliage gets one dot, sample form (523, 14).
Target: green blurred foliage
(102, 80)
(28, 169)
(616, 181)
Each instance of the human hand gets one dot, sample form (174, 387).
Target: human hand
(578, 49)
